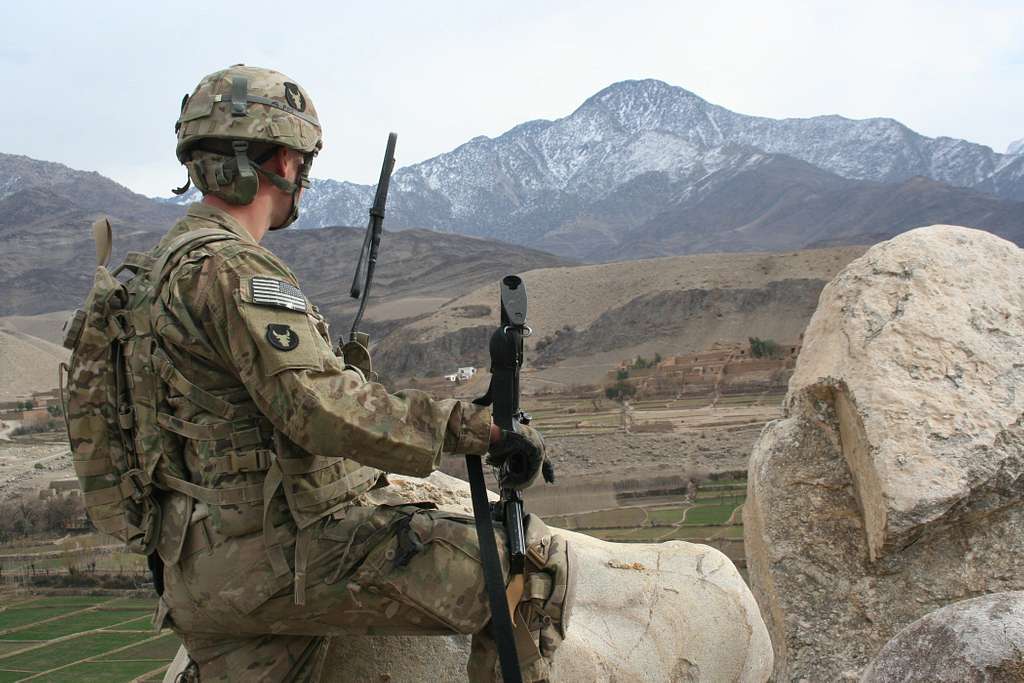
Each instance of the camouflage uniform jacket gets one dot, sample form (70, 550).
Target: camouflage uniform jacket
(236, 327)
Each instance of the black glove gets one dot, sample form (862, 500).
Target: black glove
(519, 457)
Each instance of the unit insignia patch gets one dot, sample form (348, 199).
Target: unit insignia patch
(282, 337)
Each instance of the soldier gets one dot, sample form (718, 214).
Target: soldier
(270, 536)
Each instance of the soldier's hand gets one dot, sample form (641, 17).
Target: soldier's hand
(519, 457)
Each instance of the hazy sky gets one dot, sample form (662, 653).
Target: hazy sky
(98, 87)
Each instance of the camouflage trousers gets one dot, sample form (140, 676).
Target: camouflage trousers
(373, 570)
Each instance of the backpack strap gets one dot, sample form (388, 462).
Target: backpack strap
(196, 394)
(221, 496)
(179, 247)
(104, 238)
(137, 262)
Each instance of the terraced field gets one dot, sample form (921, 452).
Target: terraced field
(712, 514)
(64, 639)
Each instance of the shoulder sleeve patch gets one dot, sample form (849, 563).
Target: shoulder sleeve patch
(268, 291)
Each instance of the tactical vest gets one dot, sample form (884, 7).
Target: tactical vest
(202, 453)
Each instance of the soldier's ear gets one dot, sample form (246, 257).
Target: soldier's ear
(285, 162)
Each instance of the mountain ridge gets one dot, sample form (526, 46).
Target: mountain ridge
(542, 178)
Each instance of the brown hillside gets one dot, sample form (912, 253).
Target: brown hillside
(27, 363)
(617, 310)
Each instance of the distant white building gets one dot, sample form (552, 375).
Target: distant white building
(462, 375)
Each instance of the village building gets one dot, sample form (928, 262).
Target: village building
(462, 374)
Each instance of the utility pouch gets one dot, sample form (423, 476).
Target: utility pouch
(356, 354)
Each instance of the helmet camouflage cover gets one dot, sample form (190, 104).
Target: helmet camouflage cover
(233, 109)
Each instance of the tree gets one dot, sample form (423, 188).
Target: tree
(764, 348)
(619, 391)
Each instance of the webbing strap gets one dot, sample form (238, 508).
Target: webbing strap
(196, 394)
(234, 463)
(306, 464)
(194, 431)
(193, 239)
(303, 544)
(93, 467)
(239, 88)
(271, 540)
(271, 103)
(501, 620)
(350, 481)
(215, 496)
(105, 496)
(104, 239)
(138, 261)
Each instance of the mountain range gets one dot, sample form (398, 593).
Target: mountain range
(643, 168)
(640, 169)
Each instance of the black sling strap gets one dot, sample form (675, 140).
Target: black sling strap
(506, 349)
(501, 620)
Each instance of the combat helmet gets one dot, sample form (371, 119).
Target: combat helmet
(233, 122)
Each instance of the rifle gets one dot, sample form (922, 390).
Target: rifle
(355, 349)
(506, 349)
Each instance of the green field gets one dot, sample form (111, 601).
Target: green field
(99, 672)
(642, 535)
(75, 623)
(713, 515)
(82, 639)
(666, 515)
(710, 514)
(623, 517)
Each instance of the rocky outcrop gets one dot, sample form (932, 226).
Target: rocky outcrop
(893, 486)
(644, 612)
(979, 640)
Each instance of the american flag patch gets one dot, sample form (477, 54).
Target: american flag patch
(270, 292)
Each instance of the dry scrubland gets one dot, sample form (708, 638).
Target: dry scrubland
(587, 319)
(577, 296)
(27, 363)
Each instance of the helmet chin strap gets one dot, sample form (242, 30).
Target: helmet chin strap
(289, 187)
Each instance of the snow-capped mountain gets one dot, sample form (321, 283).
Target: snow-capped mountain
(1016, 147)
(632, 151)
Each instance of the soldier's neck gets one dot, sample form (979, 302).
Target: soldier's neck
(255, 217)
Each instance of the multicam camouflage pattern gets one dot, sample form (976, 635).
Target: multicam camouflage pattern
(113, 402)
(102, 451)
(314, 414)
(379, 570)
(290, 121)
(229, 111)
(279, 539)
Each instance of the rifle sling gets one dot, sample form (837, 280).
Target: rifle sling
(501, 621)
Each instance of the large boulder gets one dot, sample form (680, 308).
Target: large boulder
(666, 612)
(979, 640)
(892, 487)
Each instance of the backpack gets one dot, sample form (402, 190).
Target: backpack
(116, 386)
